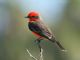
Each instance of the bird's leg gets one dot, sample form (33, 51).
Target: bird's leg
(38, 42)
(39, 45)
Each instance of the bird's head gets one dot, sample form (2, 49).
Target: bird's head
(33, 16)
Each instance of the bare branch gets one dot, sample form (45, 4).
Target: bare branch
(41, 55)
(31, 55)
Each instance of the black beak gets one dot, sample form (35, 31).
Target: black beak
(26, 17)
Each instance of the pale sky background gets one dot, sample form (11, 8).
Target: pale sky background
(50, 10)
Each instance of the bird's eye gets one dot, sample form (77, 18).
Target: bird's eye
(35, 17)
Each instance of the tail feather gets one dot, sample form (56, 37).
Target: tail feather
(58, 43)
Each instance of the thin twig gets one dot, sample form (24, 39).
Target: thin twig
(41, 55)
(31, 55)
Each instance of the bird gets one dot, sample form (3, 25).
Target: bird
(39, 28)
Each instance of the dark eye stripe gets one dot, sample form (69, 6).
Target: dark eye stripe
(34, 17)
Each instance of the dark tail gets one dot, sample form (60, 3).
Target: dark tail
(58, 43)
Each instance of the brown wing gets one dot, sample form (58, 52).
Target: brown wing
(40, 28)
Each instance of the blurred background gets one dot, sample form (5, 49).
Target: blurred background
(62, 16)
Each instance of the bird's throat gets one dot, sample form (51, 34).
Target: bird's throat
(33, 20)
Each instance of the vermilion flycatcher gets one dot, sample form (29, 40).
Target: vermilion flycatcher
(40, 29)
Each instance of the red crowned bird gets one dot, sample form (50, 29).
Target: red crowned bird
(40, 29)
